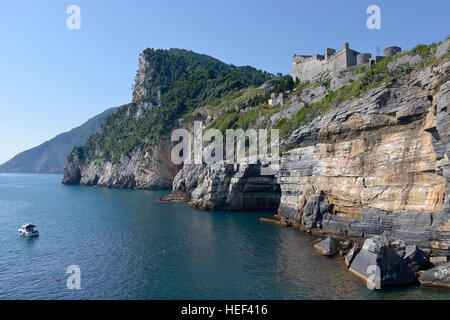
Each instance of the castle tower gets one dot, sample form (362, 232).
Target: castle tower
(329, 52)
(363, 58)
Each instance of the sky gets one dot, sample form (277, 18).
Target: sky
(54, 78)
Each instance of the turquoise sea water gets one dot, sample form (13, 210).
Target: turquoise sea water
(130, 247)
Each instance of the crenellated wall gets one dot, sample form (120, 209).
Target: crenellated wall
(319, 67)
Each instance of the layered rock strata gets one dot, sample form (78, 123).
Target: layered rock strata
(228, 187)
(374, 165)
(150, 170)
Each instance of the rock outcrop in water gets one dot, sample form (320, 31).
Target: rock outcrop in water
(328, 247)
(437, 277)
(350, 256)
(414, 257)
(228, 187)
(380, 266)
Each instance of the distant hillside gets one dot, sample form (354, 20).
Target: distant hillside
(50, 156)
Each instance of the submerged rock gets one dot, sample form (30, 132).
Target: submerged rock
(379, 265)
(276, 220)
(437, 277)
(174, 197)
(328, 247)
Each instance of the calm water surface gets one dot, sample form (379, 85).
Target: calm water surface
(130, 247)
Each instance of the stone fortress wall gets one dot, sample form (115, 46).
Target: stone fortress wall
(317, 67)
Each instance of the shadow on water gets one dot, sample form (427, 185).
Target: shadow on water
(29, 241)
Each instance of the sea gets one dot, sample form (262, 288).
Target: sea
(98, 243)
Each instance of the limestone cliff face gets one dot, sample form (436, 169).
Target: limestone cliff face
(143, 88)
(380, 160)
(228, 187)
(376, 164)
(150, 170)
(132, 149)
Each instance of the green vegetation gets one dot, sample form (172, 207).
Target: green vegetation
(282, 84)
(180, 84)
(373, 76)
(359, 69)
(176, 82)
(305, 84)
(309, 113)
(422, 49)
(234, 119)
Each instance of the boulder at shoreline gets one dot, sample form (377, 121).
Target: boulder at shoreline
(380, 266)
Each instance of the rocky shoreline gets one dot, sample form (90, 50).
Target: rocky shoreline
(174, 197)
(381, 263)
(375, 165)
(341, 182)
(372, 169)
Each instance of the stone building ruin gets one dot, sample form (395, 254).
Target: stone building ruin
(317, 67)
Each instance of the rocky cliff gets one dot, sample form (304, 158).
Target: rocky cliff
(151, 169)
(228, 187)
(378, 164)
(375, 164)
(366, 155)
(133, 148)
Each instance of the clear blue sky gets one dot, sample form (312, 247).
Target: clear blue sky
(54, 79)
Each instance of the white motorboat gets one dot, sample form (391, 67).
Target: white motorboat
(28, 230)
